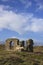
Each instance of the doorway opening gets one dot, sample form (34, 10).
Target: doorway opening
(11, 44)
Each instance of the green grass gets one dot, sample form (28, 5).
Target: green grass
(21, 58)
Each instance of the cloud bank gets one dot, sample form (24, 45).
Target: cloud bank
(20, 23)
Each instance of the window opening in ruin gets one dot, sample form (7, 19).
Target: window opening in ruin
(11, 44)
(25, 44)
(18, 42)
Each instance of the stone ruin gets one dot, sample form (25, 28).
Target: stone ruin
(13, 44)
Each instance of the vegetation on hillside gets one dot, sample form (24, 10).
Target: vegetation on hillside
(21, 58)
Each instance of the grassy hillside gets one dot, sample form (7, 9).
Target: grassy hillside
(2, 46)
(38, 49)
(21, 58)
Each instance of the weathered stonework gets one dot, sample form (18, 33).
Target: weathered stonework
(30, 45)
(13, 44)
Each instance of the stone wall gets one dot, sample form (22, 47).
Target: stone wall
(18, 45)
(8, 44)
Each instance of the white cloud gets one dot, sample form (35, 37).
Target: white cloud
(36, 25)
(11, 20)
(39, 4)
(41, 7)
(26, 3)
(20, 23)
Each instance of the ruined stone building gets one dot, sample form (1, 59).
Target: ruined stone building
(13, 44)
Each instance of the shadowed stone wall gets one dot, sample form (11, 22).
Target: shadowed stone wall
(8, 44)
(18, 45)
(30, 45)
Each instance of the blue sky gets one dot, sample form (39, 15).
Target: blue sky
(22, 19)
